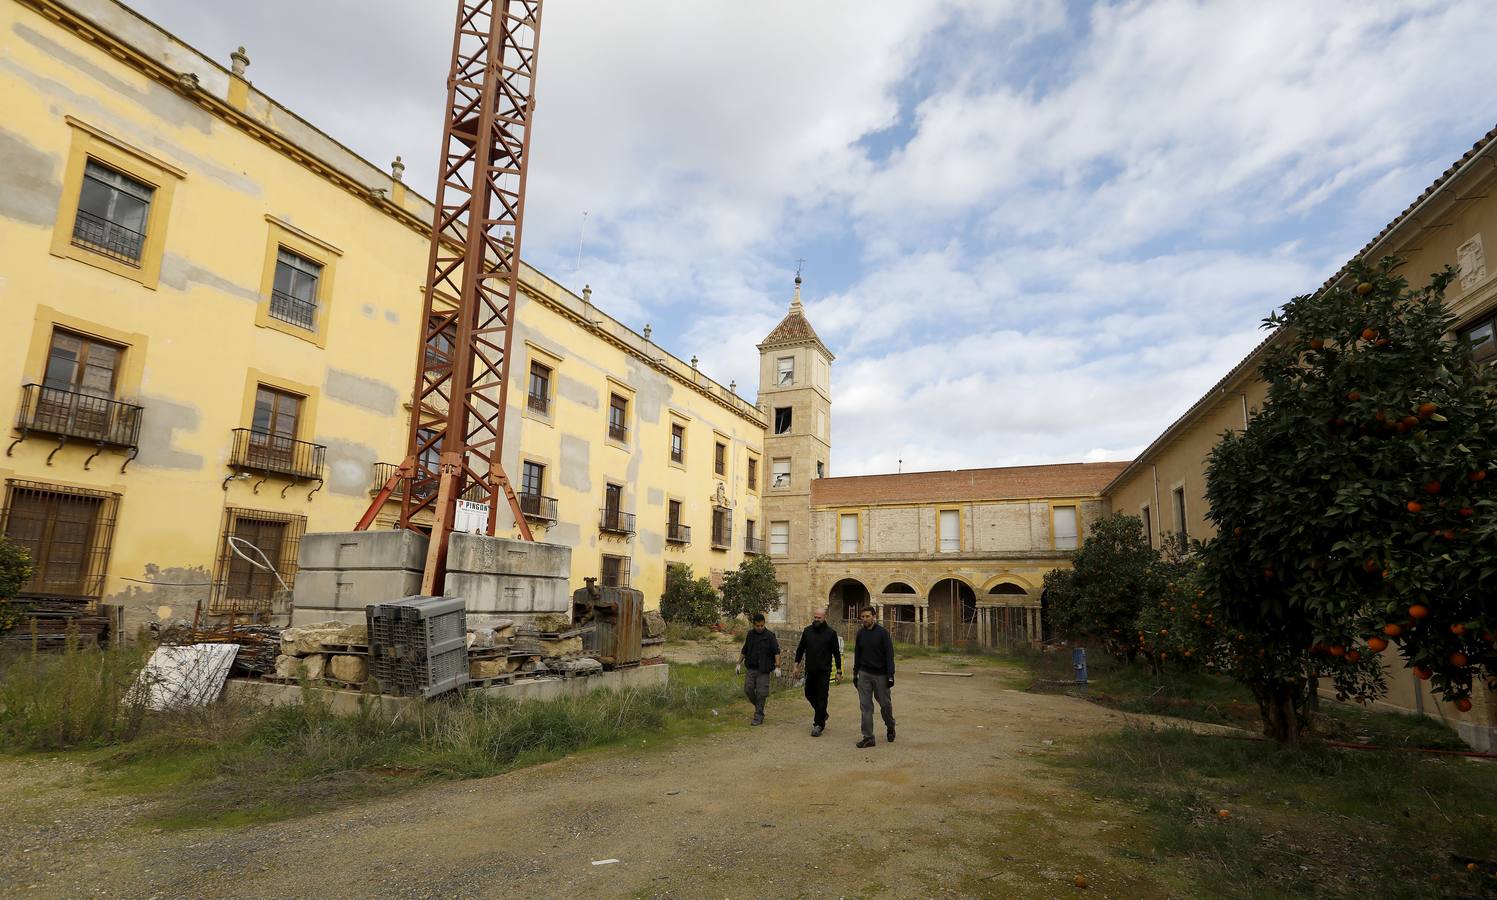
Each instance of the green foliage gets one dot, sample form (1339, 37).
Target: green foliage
(1358, 493)
(1302, 822)
(15, 570)
(80, 697)
(688, 600)
(750, 589)
(1113, 576)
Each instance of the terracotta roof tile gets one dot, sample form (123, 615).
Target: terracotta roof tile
(793, 329)
(1008, 483)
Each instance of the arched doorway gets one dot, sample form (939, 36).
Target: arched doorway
(1006, 621)
(845, 599)
(898, 606)
(953, 613)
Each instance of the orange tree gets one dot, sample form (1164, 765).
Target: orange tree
(1354, 514)
(1113, 575)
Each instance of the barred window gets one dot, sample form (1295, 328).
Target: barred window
(239, 586)
(68, 532)
(293, 296)
(113, 209)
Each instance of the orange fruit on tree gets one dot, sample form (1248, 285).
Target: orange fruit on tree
(1414, 506)
(1354, 396)
(1458, 659)
(1317, 344)
(1364, 288)
(1467, 512)
(1458, 629)
(1432, 487)
(1418, 611)
(1337, 650)
(1478, 475)
(1464, 705)
(1353, 656)
(1376, 644)
(1392, 629)
(1426, 410)
(1423, 673)
(1369, 334)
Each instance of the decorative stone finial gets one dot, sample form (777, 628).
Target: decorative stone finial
(648, 329)
(733, 386)
(795, 305)
(238, 62)
(397, 168)
(693, 360)
(587, 293)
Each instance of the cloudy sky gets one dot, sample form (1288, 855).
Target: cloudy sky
(1034, 231)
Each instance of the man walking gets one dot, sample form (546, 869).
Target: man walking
(820, 649)
(761, 657)
(873, 673)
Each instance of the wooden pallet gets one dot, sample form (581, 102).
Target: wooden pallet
(479, 683)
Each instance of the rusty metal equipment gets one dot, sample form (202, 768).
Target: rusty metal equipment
(462, 379)
(617, 615)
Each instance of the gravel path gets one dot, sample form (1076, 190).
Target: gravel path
(962, 805)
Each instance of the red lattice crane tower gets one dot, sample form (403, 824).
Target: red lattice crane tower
(462, 376)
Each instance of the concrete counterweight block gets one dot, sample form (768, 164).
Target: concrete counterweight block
(503, 578)
(342, 572)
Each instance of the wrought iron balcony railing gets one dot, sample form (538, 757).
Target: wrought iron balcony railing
(293, 310)
(722, 538)
(677, 533)
(111, 239)
(615, 521)
(538, 507)
(538, 402)
(618, 432)
(86, 417)
(754, 545)
(258, 451)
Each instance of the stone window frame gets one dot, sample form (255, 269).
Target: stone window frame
(1074, 505)
(961, 528)
(535, 354)
(857, 516)
(90, 143)
(284, 235)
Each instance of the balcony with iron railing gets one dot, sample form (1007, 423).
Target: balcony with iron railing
(293, 310)
(538, 507)
(753, 545)
(615, 521)
(722, 537)
(69, 414)
(273, 454)
(107, 238)
(676, 533)
(617, 432)
(539, 403)
(382, 472)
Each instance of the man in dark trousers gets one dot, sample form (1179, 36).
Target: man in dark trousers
(761, 657)
(873, 673)
(822, 653)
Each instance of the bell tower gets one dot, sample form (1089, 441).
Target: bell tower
(795, 395)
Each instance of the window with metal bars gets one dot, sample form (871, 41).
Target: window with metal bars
(240, 587)
(113, 209)
(753, 474)
(722, 528)
(539, 396)
(615, 571)
(67, 531)
(618, 418)
(293, 296)
(678, 443)
(720, 458)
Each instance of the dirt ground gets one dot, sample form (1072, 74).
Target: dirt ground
(962, 804)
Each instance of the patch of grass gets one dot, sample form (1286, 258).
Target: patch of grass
(227, 766)
(1302, 821)
(675, 631)
(80, 697)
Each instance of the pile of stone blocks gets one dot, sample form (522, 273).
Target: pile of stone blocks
(329, 651)
(549, 643)
(339, 573)
(503, 579)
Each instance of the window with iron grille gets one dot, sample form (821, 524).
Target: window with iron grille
(618, 418)
(239, 586)
(540, 388)
(113, 209)
(67, 531)
(615, 571)
(720, 458)
(678, 443)
(293, 296)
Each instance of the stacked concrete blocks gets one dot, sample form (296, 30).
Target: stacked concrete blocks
(507, 579)
(342, 572)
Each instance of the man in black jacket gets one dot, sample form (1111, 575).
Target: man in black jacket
(820, 648)
(761, 656)
(873, 673)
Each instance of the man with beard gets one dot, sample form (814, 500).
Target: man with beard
(821, 650)
(873, 673)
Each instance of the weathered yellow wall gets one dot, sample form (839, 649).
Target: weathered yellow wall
(198, 340)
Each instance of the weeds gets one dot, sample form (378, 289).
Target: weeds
(1312, 820)
(78, 698)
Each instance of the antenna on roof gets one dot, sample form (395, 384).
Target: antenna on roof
(900, 469)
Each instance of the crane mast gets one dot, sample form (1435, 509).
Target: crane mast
(473, 276)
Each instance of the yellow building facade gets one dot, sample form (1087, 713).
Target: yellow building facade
(1446, 225)
(211, 318)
